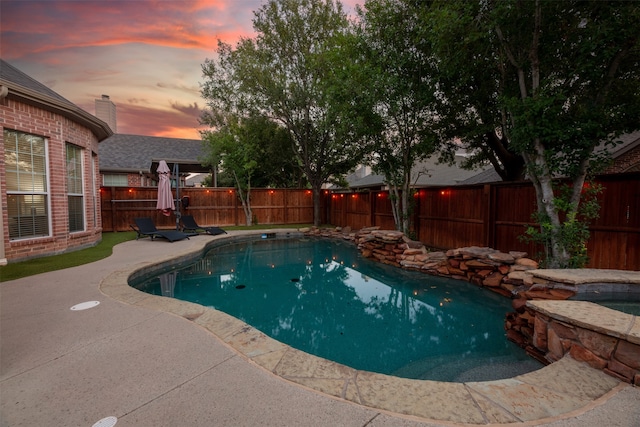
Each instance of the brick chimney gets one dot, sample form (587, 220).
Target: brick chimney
(106, 111)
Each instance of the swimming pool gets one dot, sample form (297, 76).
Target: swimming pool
(322, 297)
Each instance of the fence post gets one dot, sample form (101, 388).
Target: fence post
(489, 215)
(114, 205)
(372, 208)
(327, 207)
(345, 204)
(235, 207)
(416, 213)
(285, 202)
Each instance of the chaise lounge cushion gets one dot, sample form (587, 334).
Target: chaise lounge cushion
(189, 224)
(145, 227)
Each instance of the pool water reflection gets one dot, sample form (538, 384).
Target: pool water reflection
(322, 297)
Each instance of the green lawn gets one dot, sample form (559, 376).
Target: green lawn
(101, 250)
(71, 259)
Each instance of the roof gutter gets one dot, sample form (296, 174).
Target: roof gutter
(20, 93)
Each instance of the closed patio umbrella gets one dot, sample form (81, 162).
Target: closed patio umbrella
(165, 197)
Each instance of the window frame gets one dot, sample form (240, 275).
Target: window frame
(14, 149)
(94, 189)
(111, 175)
(77, 217)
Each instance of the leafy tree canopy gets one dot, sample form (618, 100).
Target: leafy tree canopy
(283, 74)
(557, 78)
(396, 79)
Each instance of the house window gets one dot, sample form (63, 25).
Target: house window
(25, 159)
(94, 190)
(115, 180)
(75, 196)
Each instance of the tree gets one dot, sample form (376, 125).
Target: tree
(248, 148)
(397, 79)
(566, 78)
(283, 74)
(238, 154)
(470, 77)
(278, 167)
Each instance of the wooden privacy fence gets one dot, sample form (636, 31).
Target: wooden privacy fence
(209, 206)
(495, 215)
(492, 215)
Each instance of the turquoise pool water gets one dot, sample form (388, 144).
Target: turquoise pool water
(322, 297)
(629, 307)
(626, 302)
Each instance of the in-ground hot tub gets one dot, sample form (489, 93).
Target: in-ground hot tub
(606, 338)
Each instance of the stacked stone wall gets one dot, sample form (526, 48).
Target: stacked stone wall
(503, 273)
(613, 355)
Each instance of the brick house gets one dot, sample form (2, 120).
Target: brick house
(132, 160)
(49, 179)
(626, 155)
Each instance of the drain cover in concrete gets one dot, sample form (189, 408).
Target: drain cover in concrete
(85, 305)
(106, 422)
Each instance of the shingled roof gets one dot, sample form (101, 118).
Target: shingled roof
(27, 90)
(426, 173)
(138, 153)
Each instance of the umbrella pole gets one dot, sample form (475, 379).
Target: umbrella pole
(176, 173)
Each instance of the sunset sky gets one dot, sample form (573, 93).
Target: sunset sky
(145, 54)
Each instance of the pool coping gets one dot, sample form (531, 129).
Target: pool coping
(592, 316)
(561, 389)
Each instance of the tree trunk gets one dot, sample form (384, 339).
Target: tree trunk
(245, 199)
(317, 192)
(405, 207)
(556, 253)
(539, 172)
(406, 192)
(396, 206)
(246, 206)
(508, 165)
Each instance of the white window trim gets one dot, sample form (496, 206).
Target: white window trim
(82, 189)
(94, 189)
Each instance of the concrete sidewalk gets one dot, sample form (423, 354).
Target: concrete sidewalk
(150, 367)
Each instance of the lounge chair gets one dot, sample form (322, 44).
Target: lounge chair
(146, 228)
(189, 224)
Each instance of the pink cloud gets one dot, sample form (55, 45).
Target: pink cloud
(180, 121)
(59, 25)
(145, 54)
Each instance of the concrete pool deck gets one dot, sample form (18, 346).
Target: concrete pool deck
(156, 361)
